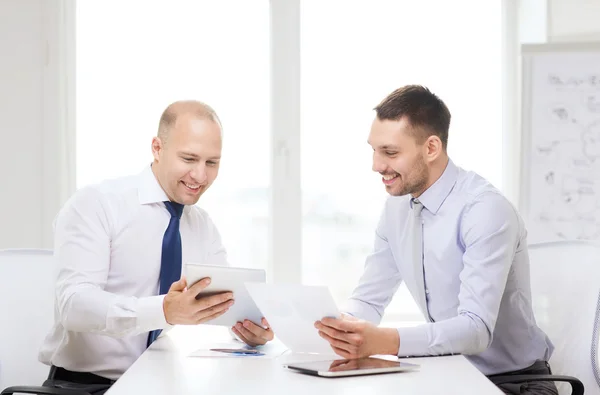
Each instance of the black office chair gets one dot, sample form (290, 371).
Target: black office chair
(57, 387)
(566, 300)
(576, 385)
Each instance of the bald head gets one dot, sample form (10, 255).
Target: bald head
(187, 150)
(185, 109)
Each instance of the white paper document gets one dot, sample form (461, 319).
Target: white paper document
(292, 310)
(218, 350)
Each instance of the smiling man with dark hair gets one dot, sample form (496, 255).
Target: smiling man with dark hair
(459, 245)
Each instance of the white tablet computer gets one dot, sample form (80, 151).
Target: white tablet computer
(223, 279)
(351, 367)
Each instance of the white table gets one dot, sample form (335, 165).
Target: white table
(166, 368)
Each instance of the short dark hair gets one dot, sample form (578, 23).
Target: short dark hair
(424, 111)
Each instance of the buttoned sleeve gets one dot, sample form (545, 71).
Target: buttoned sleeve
(82, 250)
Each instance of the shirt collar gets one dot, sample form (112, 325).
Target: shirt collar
(435, 195)
(149, 190)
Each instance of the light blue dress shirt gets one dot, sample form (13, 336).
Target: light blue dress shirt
(476, 275)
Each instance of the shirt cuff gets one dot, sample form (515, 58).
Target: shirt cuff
(151, 315)
(361, 310)
(413, 341)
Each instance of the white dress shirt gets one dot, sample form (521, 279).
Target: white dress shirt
(476, 291)
(108, 244)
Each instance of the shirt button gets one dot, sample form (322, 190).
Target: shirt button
(426, 291)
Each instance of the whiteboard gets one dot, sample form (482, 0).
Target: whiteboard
(560, 163)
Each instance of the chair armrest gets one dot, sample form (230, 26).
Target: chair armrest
(576, 385)
(42, 391)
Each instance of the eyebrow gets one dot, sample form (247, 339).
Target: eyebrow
(197, 157)
(386, 146)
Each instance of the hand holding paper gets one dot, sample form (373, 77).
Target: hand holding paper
(292, 310)
(353, 338)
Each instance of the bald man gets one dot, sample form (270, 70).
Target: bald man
(120, 246)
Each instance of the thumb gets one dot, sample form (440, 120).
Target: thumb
(178, 286)
(265, 323)
(348, 317)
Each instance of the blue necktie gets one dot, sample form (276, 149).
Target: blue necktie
(170, 260)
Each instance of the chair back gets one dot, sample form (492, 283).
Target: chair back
(27, 278)
(565, 287)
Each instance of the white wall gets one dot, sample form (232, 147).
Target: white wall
(21, 90)
(574, 20)
(34, 128)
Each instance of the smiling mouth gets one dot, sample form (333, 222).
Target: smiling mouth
(191, 187)
(389, 179)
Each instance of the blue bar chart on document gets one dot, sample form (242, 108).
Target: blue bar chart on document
(238, 351)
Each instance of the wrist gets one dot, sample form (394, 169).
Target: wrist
(391, 341)
(164, 306)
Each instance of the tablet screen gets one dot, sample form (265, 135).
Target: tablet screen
(358, 366)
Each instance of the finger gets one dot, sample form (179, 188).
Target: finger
(342, 353)
(265, 323)
(334, 333)
(210, 317)
(178, 286)
(243, 338)
(338, 362)
(213, 310)
(205, 302)
(348, 317)
(248, 334)
(341, 325)
(258, 330)
(197, 287)
(337, 343)
(346, 365)
(338, 368)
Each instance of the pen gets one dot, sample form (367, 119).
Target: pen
(237, 351)
(424, 356)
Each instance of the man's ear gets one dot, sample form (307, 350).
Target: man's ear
(433, 148)
(157, 147)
